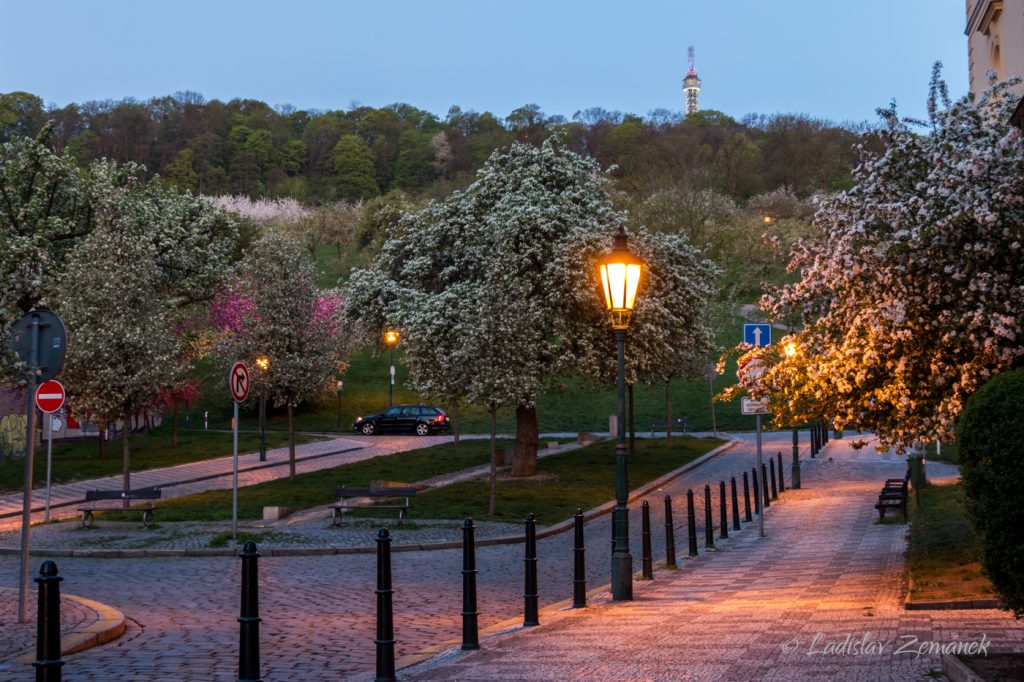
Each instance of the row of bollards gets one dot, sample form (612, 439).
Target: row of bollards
(766, 484)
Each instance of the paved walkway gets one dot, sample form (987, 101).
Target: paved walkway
(778, 608)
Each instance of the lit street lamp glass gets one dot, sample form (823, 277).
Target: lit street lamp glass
(263, 362)
(791, 349)
(391, 337)
(620, 280)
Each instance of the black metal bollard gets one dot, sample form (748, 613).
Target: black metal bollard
(691, 522)
(723, 511)
(795, 475)
(766, 498)
(746, 499)
(470, 626)
(735, 505)
(824, 432)
(530, 595)
(670, 535)
(249, 618)
(814, 440)
(579, 578)
(48, 663)
(782, 483)
(645, 533)
(709, 523)
(757, 491)
(385, 611)
(775, 493)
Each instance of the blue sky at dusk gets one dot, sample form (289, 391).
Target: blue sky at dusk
(832, 59)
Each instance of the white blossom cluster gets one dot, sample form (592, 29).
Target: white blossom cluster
(262, 211)
(913, 295)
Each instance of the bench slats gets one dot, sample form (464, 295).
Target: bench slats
(141, 494)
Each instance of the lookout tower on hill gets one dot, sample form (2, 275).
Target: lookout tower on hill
(691, 86)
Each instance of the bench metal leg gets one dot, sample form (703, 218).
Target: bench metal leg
(336, 517)
(147, 518)
(401, 516)
(87, 519)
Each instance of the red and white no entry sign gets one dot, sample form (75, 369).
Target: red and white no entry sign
(238, 381)
(50, 396)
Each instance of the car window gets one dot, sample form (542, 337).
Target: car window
(392, 413)
(409, 412)
(428, 412)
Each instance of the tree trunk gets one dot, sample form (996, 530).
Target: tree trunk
(103, 439)
(632, 426)
(524, 459)
(291, 444)
(492, 499)
(668, 410)
(125, 451)
(174, 425)
(455, 424)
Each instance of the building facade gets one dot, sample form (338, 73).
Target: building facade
(995, 41)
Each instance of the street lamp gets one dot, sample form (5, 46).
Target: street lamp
(263, 363)
(620, 279)
(790, 350)
(391, 338)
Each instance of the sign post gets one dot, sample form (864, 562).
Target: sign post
(238, 383)
(49, 399)
(759, 335)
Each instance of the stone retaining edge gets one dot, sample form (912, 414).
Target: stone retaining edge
(560, 527)
(109, 626)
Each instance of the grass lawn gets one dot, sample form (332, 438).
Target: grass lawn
(316, 488)
(80, 460)
(943, 551)
(581, 478)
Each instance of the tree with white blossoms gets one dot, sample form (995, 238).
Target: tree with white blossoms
(274, 308)
(151, 255)
(525, 237)
(911, 296)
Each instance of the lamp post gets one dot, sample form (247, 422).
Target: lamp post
(620, 279)
(791, 349)
(263, 362)
(391, 338)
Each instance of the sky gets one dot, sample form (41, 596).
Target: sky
(833, 59)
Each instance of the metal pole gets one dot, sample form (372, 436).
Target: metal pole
(796, 459)
(746, 499)
(249, 619)
(470, 629)
(49, 465)
(622, 560)
(391, 378)
(723, 510)
(579, 579)
(764, 486)
(385, 641)
(30, 449)
(691, 523)
(709, 523)
(711, 393)
(782, 481)
(530, 595)
(234, 479)
(735, 506)
(48, 662)
(647, 562)
(757, 491)
(263, 427)
(760, 464)
(771, 467)
(670, 535)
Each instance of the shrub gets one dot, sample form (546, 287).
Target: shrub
(991, 438)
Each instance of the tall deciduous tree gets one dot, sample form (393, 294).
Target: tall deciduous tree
(912, 295)
(523, 237)
(275, 309)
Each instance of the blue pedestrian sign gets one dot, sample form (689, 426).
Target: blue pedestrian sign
(757, 334)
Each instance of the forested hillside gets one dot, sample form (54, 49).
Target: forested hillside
(248, 147)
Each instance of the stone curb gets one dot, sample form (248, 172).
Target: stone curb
(957, 671)
(109, 626)
(368, 549)
(953, 605)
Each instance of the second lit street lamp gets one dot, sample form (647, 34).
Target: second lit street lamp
(263, 362)
(391, 338)
(620, 279)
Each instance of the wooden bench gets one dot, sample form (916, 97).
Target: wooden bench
(353, 498)
(679, 425)
(96, 496)
(893, 496)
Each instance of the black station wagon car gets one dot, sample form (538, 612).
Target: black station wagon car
(422, 420)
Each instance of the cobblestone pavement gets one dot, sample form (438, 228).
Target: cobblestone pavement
(19, 638)
(318, 611)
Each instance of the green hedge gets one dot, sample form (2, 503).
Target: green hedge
(991, 436)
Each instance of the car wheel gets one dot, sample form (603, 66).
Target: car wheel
(368, 429)
(422, 429)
